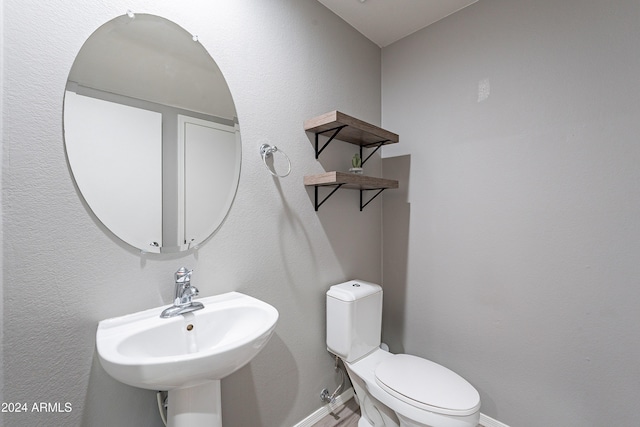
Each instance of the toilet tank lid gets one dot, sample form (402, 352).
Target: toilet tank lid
(353, 290)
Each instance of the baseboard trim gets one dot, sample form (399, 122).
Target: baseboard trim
(326, 409)
(490, 422)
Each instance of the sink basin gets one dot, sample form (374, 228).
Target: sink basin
(146, 351)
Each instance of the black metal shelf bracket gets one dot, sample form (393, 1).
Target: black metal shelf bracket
(317, 205)
(336, 188)
(335, 133)
(377, 145)
(371, 199)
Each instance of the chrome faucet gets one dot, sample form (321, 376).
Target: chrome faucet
(184, 292)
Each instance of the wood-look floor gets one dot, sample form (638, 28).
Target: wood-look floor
(345, 416)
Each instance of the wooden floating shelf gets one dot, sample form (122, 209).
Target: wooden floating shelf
(353, 130)
(352, 181)
(349, 180)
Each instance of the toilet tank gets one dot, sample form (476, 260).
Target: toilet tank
(354, 319)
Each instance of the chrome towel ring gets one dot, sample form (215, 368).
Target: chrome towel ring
(266, 151)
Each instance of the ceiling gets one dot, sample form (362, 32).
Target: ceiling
(387, 21)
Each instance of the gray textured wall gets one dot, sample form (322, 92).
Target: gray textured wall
(285, 61)
(522, 269)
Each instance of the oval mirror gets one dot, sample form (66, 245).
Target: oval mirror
(151, 134)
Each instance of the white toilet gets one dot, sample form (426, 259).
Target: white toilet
(393, 389)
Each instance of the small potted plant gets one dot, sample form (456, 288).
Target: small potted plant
(356, 163)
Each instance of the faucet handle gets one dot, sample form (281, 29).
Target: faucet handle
(183, 275)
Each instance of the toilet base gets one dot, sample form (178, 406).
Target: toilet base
(372, 412)
(378, 414)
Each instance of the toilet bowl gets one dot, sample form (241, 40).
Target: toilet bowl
(392, 389)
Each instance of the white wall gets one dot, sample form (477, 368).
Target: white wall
(522, 269)
(284, 61)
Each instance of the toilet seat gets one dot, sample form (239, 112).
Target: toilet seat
(427, 385)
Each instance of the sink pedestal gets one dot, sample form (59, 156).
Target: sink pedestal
(197, 406)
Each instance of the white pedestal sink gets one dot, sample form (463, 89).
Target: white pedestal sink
(188, 354)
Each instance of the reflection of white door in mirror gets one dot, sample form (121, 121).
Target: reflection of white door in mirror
(209, 175)
(119, 167)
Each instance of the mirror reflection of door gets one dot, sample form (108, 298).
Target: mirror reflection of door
(120, 171)
(207, 146)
